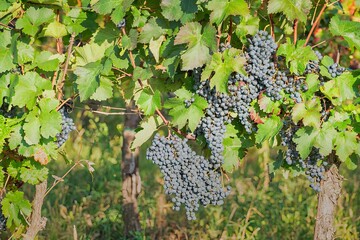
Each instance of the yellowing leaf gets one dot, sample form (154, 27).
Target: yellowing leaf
(56, 30)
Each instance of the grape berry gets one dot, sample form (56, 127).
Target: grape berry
(189, 178)
(67, 126)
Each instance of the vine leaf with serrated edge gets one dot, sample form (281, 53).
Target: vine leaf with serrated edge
(182, 115)
(198, 44)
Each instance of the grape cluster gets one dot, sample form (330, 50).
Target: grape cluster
(67, 126)
(287, 133)
(2, 219)
(314, 170)
(8, 112)
(212, 125)
(261, 70)
(242, 93)
(188, 102)
(224, 46)
(259, 58)
(121, 24)
(189, 178)
(313, 66)
(335, 70)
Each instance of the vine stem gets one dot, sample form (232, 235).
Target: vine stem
(272, 32)
(166, 122)
(230, 31)
(315, 23)
(56, 182)
(66, 67)
(295, 27)
(4, 188)
(218, 36)
(64, 102)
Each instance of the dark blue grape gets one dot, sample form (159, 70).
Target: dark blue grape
(189, 179)
(67, 126)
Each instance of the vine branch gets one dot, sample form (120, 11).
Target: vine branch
(315, 23)
(295, 27)
(37, 223)
(66, 67)
(272, 32)
(230, 31)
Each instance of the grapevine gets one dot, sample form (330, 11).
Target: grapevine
(219, 77)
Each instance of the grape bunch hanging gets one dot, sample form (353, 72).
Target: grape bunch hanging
(67, 126)
(193, 180)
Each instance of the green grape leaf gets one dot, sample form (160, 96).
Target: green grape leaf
(151, 30)
(154, 47)
(25, 91)
(223, 64)
(346, 144)
(4, 5)
(349, 30)
(146, 130)
(91, 52)
(109, 33)
(46, 61)
(308, 112)
(50, 119)
(325, 139)
(352, 162)
(183, 115)
(268, 129)
(340, 89)
(15, 207)
(293, 9)
(346, 85)
(6, 60)
(6, 38)
(25, 53)
(104, 91)
(32, 127)
(5, 131)
(56, 30)
(88, 78)
(231, 153)
(327, 61)
(32, 172)
(198, 45)
(171, 9)
(4, 86)
(269, 106)
(74, 20)
(221, 9)
(33, 19)
(142, 73)
(305, 138)
(2, 177)
(106, 6)
(149, 102)
(297, 57)
(235, 146)
(313, 85)
(249, 25)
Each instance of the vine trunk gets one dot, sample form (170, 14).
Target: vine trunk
(327, 202)
(130, 174)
